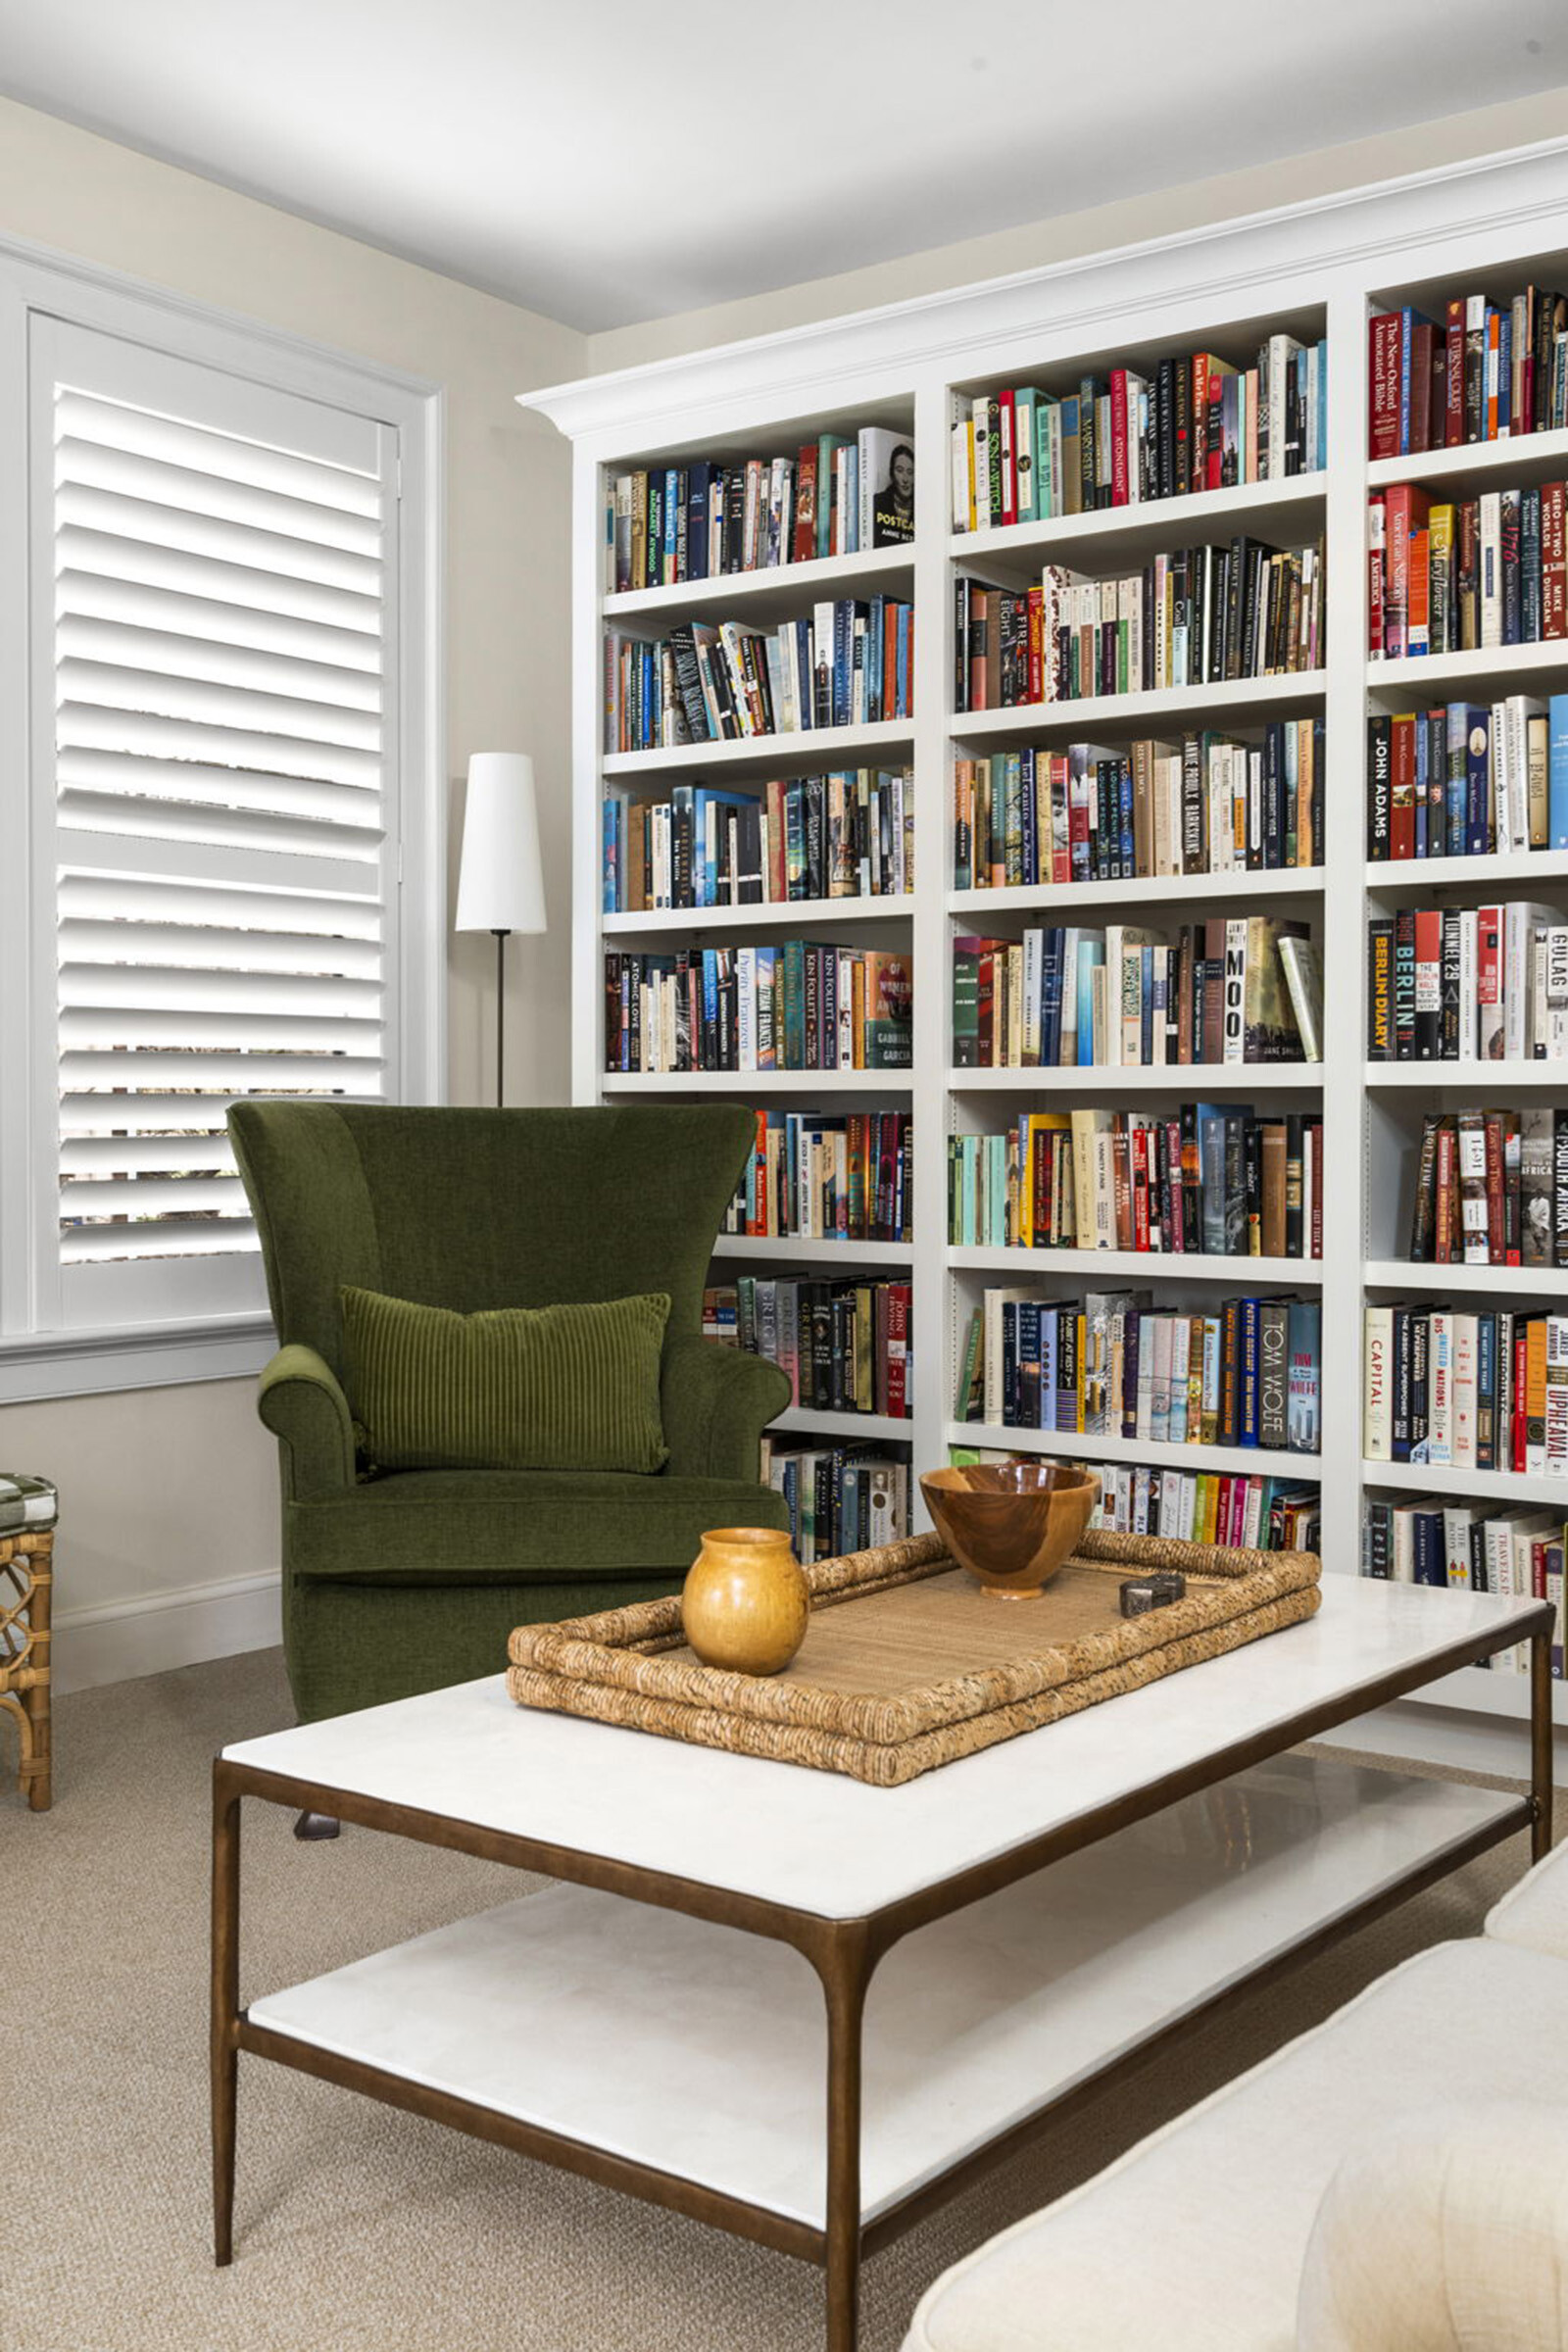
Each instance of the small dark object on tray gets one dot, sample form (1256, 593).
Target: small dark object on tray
(1141, 1594)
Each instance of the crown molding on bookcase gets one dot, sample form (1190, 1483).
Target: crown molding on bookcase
(1221, 266)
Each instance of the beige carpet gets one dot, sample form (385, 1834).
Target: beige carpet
(360, 2229)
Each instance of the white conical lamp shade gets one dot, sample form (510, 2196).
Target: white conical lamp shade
(500, 884)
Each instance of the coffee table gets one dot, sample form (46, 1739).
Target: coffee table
(806, 2010)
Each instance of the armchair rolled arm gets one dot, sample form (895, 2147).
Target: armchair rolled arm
(716, 1402)
(302, 1402)
(1443, 2231)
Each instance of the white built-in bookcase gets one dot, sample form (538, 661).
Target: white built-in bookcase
(1309, 270)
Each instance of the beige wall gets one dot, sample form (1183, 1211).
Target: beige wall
(1425, 147)
(174, 1490)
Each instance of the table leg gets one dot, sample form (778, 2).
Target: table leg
(36, 1700)
(225, 2009)
(1540, 1758)
(846, 1973)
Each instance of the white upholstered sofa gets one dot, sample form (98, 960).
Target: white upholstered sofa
(1395, 2180)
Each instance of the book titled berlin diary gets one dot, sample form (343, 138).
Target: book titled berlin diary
(887, 487)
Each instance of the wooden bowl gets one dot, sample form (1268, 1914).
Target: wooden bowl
(1011, 1524)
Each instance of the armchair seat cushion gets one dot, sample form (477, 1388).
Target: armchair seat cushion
(518, 1526)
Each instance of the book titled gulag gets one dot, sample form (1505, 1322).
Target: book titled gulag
(1492, 1189)
(1245, 1372)
(1205, 804)
(1468, 779)
(850, 834)
(1468, 983)
(826, 1176)
(1192, 421)
(1483, 372)
(845, 1344)
(793, 1005)
(1196, 616)
(849, 666)
(835, 494)
(1232, 989)
(1461, 575)
(1210, 1179)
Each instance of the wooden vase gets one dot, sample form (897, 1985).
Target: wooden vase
(746, 1602)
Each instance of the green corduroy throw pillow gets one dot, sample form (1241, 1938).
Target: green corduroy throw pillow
(512, 1388)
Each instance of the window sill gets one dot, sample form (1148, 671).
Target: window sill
(147, 1355)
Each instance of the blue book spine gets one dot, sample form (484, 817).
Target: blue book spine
(1029, 1321)
(1421, 731)
(1558, 772)
(673, 515)
(843, 659)
(1125, 814)
(1429, 1563)
(1010, 1364)
(1047, 1371)
(1091, 954)
(1051, 999)
(1457, 787)
(611, 903)
(1407, 331)
(698, 478)
(803, 683)
(1504, 371)
(1247, 1433)
(1030, 815)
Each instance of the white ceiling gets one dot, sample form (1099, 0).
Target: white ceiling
(608, 162)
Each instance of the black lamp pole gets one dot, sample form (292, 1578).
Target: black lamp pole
(502, 938)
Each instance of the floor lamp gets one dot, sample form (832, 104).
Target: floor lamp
(500, 885)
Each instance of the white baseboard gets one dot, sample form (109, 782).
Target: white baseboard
(121, 1641)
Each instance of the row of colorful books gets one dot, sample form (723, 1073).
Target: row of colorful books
(1245, 1372)
(1449, 576)
(794, 1004)
(1200, 615)
(1468, 983)
(1484, 371)
(845, 1344)
(1212, 1180)
(849, 666)
(1471, 1547)
(1492, 1189)
(1238, 989)
(826, 1176)
(1192, 421)
(831, 496)
(1196, 1506)
(1465, 779)
(1207, 804)
(1466, 1390)
(850, 834)
(841, 1497)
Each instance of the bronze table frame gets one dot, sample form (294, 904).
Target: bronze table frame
(843, 1952)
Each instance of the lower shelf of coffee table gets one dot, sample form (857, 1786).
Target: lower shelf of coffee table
(701, 2050)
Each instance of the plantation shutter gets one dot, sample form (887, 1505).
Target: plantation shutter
(220, 568)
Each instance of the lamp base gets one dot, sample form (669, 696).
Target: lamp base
(502, 938)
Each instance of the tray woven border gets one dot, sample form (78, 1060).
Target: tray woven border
(609, 1667)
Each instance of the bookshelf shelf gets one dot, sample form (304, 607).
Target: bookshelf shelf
(1447, 677)
(1139, 1265)
(1399, 1274)
(785, 1253)
(691, 922)
(1145, 890)
(879, 1428)
(1283, 513)
(780, 587)
(1525, 458)
(1194, 1077)
(1496, 1078)
(813, 750)
(739, 1085)
(1482, 876)
(1248, 1460)
(1099, 714)
(1306, 271)
(1496, 1485)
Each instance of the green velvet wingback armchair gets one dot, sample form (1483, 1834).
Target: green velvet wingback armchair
(412, 1580)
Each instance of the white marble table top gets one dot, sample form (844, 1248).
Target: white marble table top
(817, 1842)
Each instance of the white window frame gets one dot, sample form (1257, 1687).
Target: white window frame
(38, 1359)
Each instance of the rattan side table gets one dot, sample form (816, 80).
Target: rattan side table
(28, 1511)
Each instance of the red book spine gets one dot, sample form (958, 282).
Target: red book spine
(1496, 1240)
(1037, 644)
(898, 1297)
(1401, 788)
(804, 546)
(1517, 1431)
(1140, 1158)
(1407, 509)
(1382, 439)
(1377, 573)
(1453, 378)
(1553, 562)
(1118, 437)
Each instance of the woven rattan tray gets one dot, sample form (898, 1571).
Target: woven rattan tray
(906, 1663)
